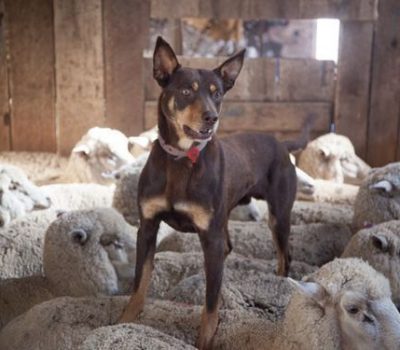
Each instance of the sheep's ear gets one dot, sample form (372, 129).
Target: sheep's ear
(312, 290)
(230, 69)
(164, 62)
(324, 152)
(82, 150)
(79, 236)
(383, 185)
(380, 242)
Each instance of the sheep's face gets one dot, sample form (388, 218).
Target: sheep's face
(90, 252)
(385, 183)
(380, 247)
(334, 159)
(345, 305)
(103, 151)
(18, 195)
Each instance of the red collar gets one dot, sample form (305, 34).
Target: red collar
(193, 153)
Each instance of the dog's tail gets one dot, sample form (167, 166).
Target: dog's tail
(302, 140)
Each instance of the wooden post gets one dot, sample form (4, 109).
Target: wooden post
(126, 30)
(383, 133)
(30, 25)
(5, 120)
(352, 91)
(79, 69)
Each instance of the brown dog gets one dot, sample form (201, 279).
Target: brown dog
(192, 180)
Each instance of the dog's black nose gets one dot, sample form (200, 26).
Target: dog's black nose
(210, 118)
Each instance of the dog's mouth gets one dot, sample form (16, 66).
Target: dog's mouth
(202, 134)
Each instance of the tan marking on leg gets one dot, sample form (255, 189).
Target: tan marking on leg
(282, 264)
(136, 302)
(212, 87)
(195, 86)
(152, 206)
(200, 216)
(208, 328)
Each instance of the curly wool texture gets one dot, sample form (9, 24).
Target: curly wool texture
(21, 244)
(380, 246)
(375, 205)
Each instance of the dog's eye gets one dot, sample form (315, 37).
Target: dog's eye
(185, 92)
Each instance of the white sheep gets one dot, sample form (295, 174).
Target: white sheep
(88, 252)
(380, 247)
(139, 145)
(345, 305)
(379, 197)
(78, 196)
(332, 157)
(40, 167)
(21, 244)
(18, 195)
(313, 244)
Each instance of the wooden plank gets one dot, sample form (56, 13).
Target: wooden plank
(5, 129)
(352, 93)
(240, 116)
(362, 10)
(264, 79)
(385, 89)
(31, 46)
(265, 9)
(79, 69)
(124, 95)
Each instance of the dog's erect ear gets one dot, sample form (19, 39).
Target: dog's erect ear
(230, 69)
(164, 62)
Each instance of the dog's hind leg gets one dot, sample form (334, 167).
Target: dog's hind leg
(228, 243)
(145, 250)
(280, 198)
(213, 244)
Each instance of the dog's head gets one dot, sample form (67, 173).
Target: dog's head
(191, 98)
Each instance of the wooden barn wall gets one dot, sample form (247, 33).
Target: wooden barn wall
(66, 66)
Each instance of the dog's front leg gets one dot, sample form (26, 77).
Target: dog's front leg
(145, 250)
(213, 244)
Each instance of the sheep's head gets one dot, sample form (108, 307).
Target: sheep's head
(332, 157)
(380, 247)
(385, 182)
(345, 305)
(18, 195)
(103, 151)
(90, 252)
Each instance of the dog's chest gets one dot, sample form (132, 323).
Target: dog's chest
(183, 200)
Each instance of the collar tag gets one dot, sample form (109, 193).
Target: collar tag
(193, 154)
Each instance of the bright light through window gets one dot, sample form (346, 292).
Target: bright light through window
(327, 44)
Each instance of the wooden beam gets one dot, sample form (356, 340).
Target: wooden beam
(265, 79)
(126, 30)
(5, 120)
(352, 92)
(256, 116)
(79, 69)
(385, 89)
(265, 9)
(32, 74)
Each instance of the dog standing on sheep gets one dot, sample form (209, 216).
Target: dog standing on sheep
(192, 180)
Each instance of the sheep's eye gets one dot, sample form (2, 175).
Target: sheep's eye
(185, 92)
(353, 310)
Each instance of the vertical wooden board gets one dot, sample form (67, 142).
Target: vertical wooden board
(126, 30)
(32, 74)
(174, 8)
(385, 89)
(352, 92)
(4, 96)
(79, 69)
